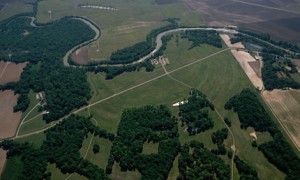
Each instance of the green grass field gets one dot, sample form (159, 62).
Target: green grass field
(11, 9)
(219, 77)
(33, 125)
(128, 25)
(29, 113)
(36, 139)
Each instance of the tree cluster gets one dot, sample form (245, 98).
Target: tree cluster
(20, 42)
(199, 37)
(138, 125)
(245, 171)
(272, 66)
(273, 58)
(65, 88)
(201, 163)
(218, 138)
(250, 112)
(61, 147)
(278, 151)
(267, 37)
(193, 113)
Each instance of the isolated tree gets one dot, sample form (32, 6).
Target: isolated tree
(96, 148)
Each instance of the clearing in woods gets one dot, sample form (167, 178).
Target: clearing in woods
(10, 72)
(285, 104)
(297, 63)
(80, 56)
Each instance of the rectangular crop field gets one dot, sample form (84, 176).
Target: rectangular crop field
(285, 105)
(9, 120)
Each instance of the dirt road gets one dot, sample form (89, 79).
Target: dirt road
(121, 92)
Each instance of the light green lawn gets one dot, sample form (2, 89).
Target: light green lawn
(36, 139)
(150, 148)
(11, 9)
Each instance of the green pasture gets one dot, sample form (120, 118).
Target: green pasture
(119, 29)
(11, 9)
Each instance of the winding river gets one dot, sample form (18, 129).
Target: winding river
(158, 38)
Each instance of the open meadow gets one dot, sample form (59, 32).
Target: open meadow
(219, 87)
(219, 73)
(120, 28)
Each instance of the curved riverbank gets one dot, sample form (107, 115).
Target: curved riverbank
(158, 41)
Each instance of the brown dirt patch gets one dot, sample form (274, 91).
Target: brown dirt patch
(9, 120)
(281, 74)
(243, 59)
(80, 56)
(256, 67)
(226, 39)
(10, 72)
(286, 107)
(2, 160)
(297, 63)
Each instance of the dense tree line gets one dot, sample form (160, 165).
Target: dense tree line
(141, 49)
(272, 81)
(158, 166)
(140, 125)
(131, 53)
(193, 113)
(201, 163)
(203, 37)
(61, 147)
(271, 67)
(245, 170)
(267, 37)
(218, 138)
(250, 112)
(34, 161)
(272, 58)
(22, 103)
(20, 42)
(65, 88)
(278, 151)
(113, 71)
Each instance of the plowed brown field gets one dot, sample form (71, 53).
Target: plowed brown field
(244, 58)
(286, 107)
(10, 72)
(8, 119)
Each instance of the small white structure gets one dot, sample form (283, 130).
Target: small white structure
(50, 14)
(179, 103)
(98, 7)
